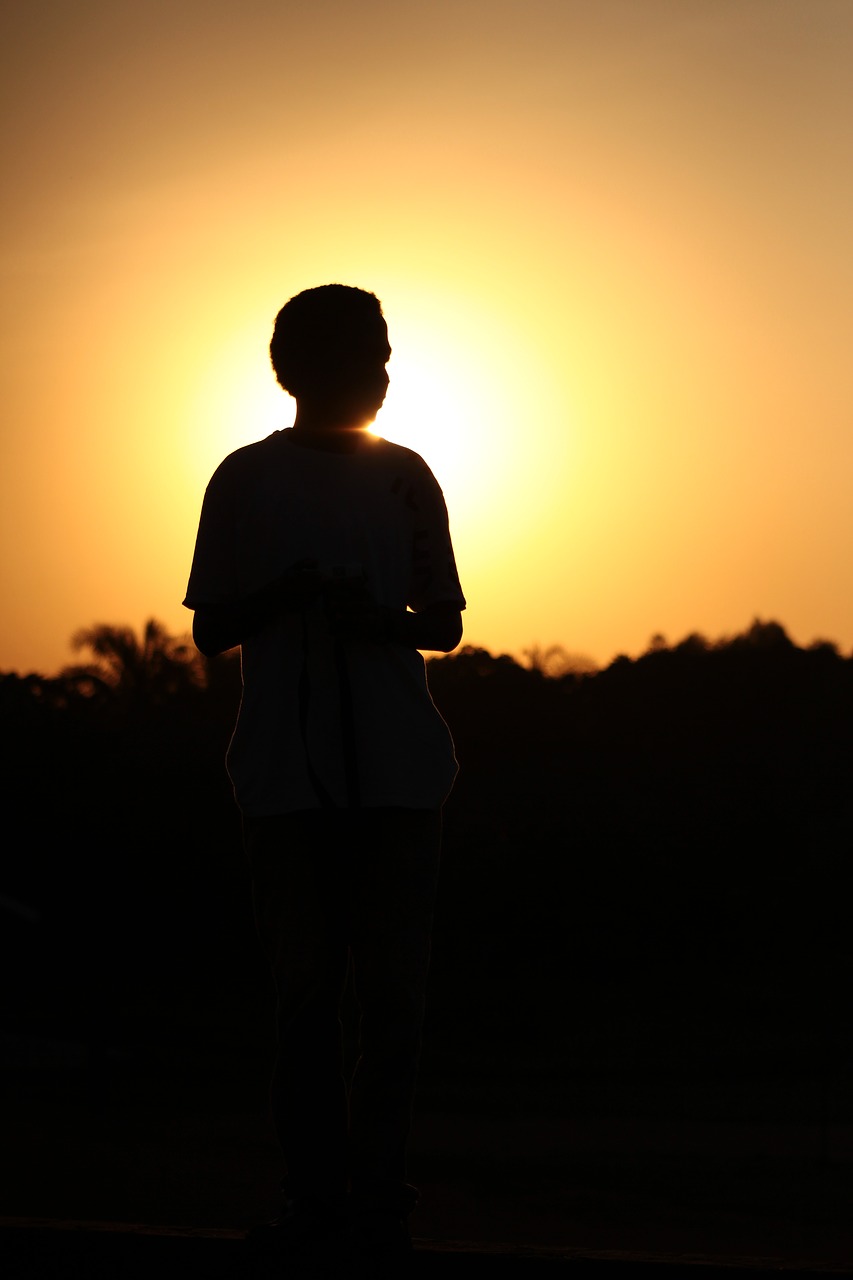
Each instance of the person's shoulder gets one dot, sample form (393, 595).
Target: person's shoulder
(404, 460)
(248, 458)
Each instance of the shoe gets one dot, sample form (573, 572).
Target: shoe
(380, 1233)
(303, 1229)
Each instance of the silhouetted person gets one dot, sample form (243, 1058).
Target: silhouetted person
(324, 552)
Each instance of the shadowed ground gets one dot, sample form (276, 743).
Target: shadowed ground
(92, 1251)
(638, 1040)
(594, 1188)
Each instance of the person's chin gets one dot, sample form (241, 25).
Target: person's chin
(371, 415)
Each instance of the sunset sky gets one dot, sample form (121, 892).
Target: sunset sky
(612, 239)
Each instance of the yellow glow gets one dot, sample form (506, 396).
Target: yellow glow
(423, 412)
(442, 405)
(235, 399)
(611, 255)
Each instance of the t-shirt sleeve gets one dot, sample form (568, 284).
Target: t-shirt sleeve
(435, 579)
(214, 576)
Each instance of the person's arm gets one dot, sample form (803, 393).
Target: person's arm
(434, 593)
(354, 615)
(219, 627)
(437, 627)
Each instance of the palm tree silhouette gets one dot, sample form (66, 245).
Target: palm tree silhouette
(556, 661)
(151, 669)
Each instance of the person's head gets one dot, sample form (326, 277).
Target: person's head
(329, 349)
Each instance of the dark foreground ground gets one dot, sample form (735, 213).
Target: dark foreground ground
(129, 1252)
(159, 1175)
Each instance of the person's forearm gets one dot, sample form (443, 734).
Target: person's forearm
(219, 627)
(438, 629)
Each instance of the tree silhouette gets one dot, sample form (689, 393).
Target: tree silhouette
(151, 669)
(556, 661)
(651, 860)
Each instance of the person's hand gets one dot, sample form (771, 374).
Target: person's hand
(300, 583)
(352, 611)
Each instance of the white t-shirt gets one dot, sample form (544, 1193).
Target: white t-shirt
(325, 722)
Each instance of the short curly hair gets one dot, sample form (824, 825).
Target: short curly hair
(317, 331)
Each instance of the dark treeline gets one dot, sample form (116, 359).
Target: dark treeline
(646, 867)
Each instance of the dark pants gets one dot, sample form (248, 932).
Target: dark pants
(327, 885)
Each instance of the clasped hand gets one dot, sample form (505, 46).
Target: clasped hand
(352, 611)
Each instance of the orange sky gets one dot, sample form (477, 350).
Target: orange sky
(612, 241)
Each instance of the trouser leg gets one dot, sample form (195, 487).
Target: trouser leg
(394, 883)
(299, 897)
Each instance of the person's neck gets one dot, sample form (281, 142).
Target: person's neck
(322, 431)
